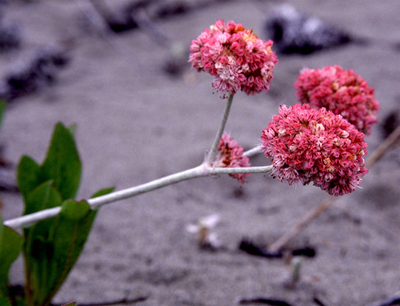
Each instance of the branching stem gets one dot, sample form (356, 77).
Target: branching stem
(199, 171)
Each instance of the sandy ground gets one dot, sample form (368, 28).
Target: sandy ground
(136, 123)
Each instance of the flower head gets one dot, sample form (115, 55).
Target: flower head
(311, 145)
(343, 92)
(230, 155)
(237, 58)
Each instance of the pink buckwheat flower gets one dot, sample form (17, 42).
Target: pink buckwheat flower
(340, 91)
(315, 145)
(237, 58)
(230, 155)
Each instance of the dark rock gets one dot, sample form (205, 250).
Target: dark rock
(390, 123)
(40, 71)
(294, 32)
(264, 300)
(10, 37)
(252, 248)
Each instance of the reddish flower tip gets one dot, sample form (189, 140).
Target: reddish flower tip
(237, 58)
(340, 91)
(231, 156)
(311, 145)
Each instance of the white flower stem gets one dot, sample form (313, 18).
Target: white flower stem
(28, 220)
(202, 170)
(252, 152)
(211, 154)
(153, 185)
(260, 169)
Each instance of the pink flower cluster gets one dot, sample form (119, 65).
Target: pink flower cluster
(237, 58)
(311, 145)
(343, 92)
(231, 156)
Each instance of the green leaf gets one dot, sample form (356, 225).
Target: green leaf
(52, 246)
(38, 247)
(19, 301)
(101, 192)
(28, 175)
(4, 301)
(72, 230)
(66, 240)
(42, 197)
(10, 247)
(62, 163)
